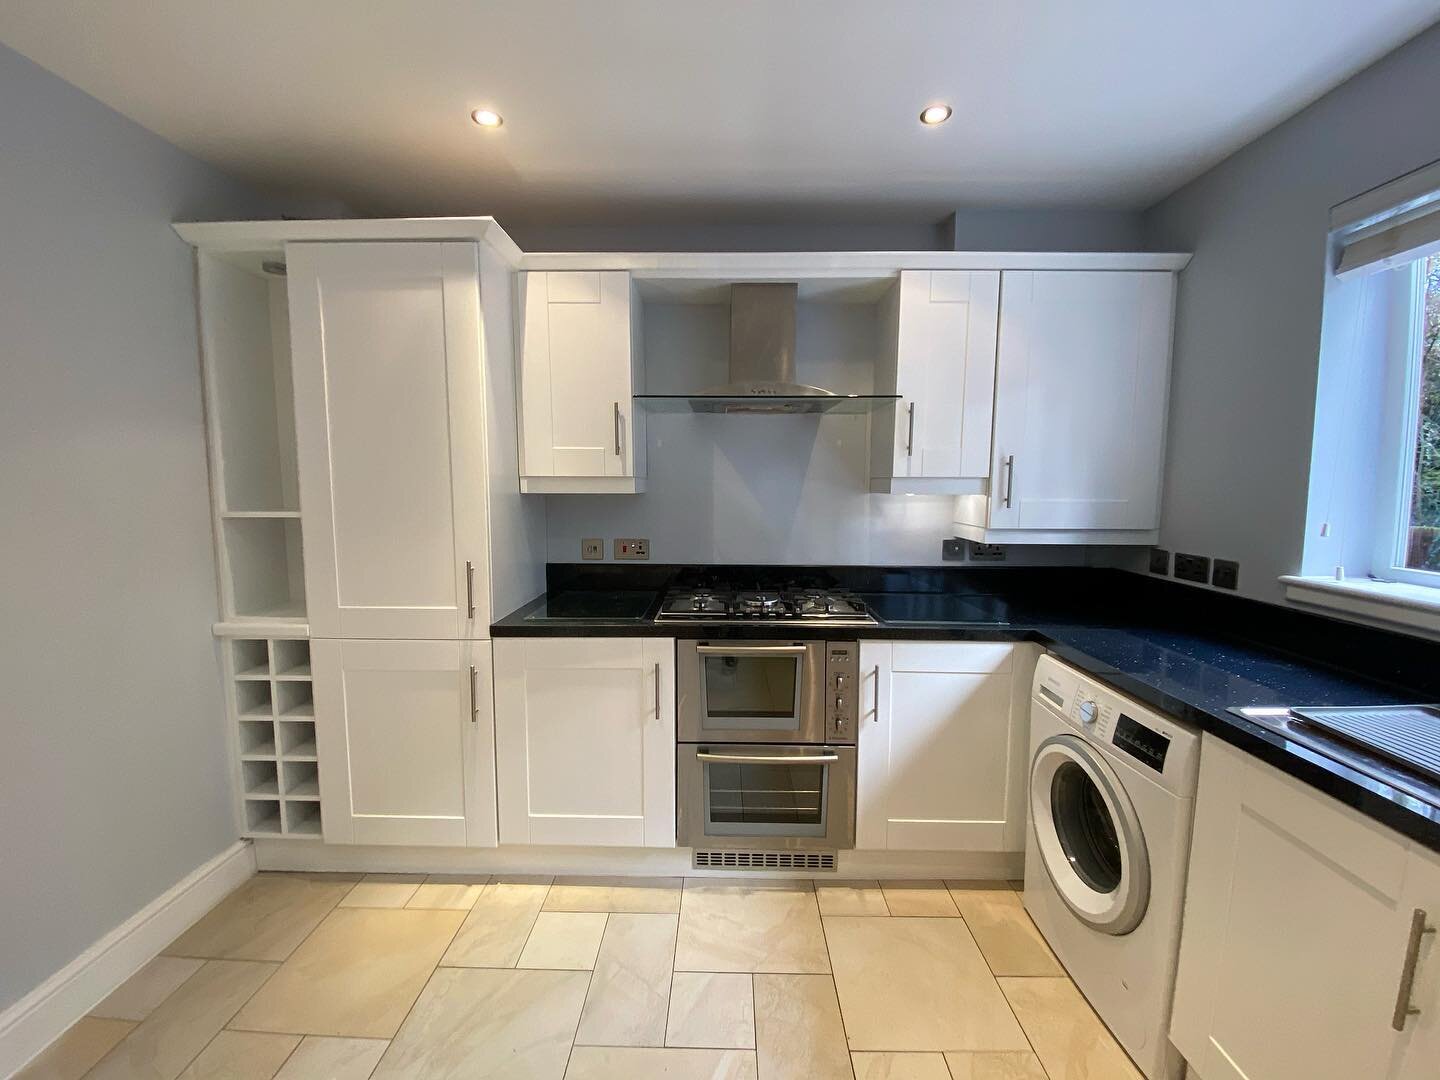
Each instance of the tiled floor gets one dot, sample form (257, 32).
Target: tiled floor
(332, 977)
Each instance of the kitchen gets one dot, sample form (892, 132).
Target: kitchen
(543, 635)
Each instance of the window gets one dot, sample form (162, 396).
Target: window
(1415, 541)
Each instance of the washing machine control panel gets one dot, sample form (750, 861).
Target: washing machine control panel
(1144, 744)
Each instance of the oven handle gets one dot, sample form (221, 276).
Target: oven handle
(767, 759)
(750, 650)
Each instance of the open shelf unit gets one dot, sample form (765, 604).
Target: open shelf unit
(274, 722)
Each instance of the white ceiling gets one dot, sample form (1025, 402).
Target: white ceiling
(621, 110)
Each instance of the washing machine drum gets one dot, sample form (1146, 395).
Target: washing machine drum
(1088, 835)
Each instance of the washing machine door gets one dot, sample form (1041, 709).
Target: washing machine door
(1088, 835)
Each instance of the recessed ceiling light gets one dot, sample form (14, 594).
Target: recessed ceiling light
(934, 114)
(487, 118)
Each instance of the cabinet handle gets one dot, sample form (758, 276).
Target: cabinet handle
(474, 697)
(470, 587)
(876, 713)
(1403, 1009)
(617, 429)
(657, 690)
(910, 434)
(1009, 479)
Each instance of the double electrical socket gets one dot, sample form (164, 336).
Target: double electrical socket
(627, 548)
(1223, 573)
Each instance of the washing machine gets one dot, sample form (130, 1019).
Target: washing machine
(1112, 790)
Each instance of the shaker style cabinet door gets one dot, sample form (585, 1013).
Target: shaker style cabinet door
(577, 378)
(390, 437)
(941, 765)
(1296, 936)
(1080, 400)
(585, 740)
(405, 739)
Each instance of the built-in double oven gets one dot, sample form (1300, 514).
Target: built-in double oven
(765, 756)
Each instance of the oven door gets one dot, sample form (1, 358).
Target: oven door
(751, 691)
(766, 797)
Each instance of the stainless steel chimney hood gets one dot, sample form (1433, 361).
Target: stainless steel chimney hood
(762, 364)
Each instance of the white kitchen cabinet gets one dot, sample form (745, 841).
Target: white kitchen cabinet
(585, 740)
(579, 369)
(406, 742)
(940, 358)
(942, 746)
(390, 432)
(1297, 922)
(1081, 390)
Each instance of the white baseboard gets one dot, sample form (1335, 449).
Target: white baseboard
(636, 862)
(41, 1016)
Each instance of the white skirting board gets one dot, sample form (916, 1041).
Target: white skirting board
(623, 862)
(41, 1016)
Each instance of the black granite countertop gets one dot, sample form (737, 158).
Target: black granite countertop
(1192, 653)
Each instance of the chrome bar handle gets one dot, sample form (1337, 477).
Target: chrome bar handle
(470, 587)
(768, 759)
(910, 435)
(657, 689)
(876, 714)
(750, 650)
(1403, 1009)
(617, 429)
(1009, 479)
(474, 695)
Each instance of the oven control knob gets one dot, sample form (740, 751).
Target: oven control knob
(1089, 713)
(839, 723)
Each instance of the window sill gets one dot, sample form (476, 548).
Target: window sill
(1392, 603)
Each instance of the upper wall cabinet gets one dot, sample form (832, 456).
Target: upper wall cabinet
(390, 435)
(940, 359)
(579, 368)
(1081, 389)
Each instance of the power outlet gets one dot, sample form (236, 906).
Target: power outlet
(1192, 567)
(952, 550)
(632, 548)
(592, 548)
(1226, 574)
(986, 552)
(1159, 561)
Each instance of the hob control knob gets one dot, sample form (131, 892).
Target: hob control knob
(1089, 713)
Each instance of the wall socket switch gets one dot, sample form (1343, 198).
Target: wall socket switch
(1226, 574)
(1192, 568)
(1159, 561)
(592, 548)
(952, 550)
(632, 548)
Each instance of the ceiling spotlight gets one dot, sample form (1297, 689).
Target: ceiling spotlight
(488, 118)
(934, 114)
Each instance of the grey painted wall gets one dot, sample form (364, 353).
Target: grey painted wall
(775, 236)
(113, 777)
(1248, 322)
(1045, 229)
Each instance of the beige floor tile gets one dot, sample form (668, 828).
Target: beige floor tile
(264, 919)
(383, 890)
(70, 1057)
(760, 926)
(798, 1031)
(656, 896)
(1067, 1035)
(1001, 927)
(456, 892)
(241, 1055)
(630, 992)
(851, 898)
(356, 975)
(138, 996)
(643, 1063)
(891, 1066)
(568, 940)
(321, 1057)
(495, 931)
(922, 899)
(185, 1022)
(917, 984)
(711, 1009)
(477, 1023)
(997, 1065)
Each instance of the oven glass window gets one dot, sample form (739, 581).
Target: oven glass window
(765, 800)
(752, 692)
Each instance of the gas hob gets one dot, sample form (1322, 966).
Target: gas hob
(763, 605)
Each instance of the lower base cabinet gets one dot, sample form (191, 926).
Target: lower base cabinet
(405, 741)
(943, 745)
(1300, 925)
(585, 741)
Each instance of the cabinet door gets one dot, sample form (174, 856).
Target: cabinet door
(1080, 399)
(585, 740)
(389, 431)
(1294, 931)
(945, 372)
(1417, 1048)
(940, 766)
(576, 374)
(405, 738)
